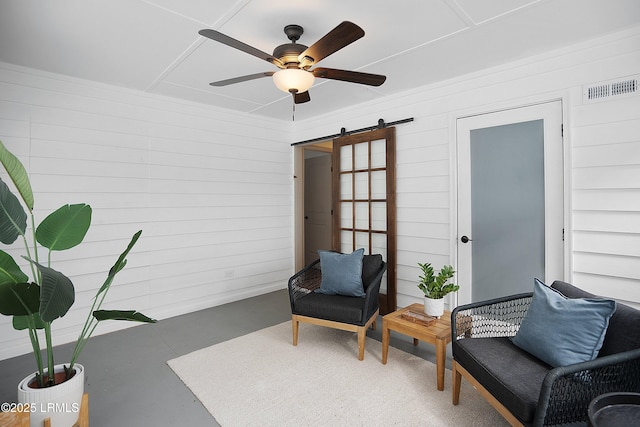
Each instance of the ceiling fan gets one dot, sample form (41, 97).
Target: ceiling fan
(295, 60)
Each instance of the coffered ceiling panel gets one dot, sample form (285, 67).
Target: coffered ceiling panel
(154, 45)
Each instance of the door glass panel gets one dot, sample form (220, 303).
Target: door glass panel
(346, 158)
(361, 185)
(378, 185)
(379, 244)
(362, 156)
(346, 215)
(362, 241)
(346, 186)
(507, 208)
(378, 153)
(379, 216)
(346, 242)
(362, 216)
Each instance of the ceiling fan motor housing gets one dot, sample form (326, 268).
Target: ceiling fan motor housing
(288, 53)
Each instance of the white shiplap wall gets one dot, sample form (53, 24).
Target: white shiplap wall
(606, 197)
(211, 190)
(602, 146)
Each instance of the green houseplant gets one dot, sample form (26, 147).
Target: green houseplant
(35, 303)
(435, 287)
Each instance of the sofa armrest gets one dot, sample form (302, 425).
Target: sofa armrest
(500, 317)
(567, 391)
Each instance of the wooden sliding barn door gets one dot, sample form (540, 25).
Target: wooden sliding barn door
(364, 201)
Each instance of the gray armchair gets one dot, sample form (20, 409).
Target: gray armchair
(354, 314)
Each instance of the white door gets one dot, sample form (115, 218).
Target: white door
(510, 201)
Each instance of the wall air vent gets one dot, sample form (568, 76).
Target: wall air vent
(612, 89)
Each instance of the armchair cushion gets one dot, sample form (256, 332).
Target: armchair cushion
(332, 307)
(562, 331)
(341, 273)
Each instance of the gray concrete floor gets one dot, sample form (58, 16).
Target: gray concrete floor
(127, 377)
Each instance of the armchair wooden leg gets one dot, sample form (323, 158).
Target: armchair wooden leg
(362, 335)
(373, 325)
(456, 382)
(294, 325)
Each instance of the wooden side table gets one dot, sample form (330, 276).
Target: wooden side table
(437, 333)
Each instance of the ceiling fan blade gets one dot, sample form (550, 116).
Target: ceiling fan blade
(341, 36)
(241, 79)
(301, 98)
(236, 44)
(349, 76)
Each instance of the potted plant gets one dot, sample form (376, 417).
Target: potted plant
(35, 303)
(435, 288)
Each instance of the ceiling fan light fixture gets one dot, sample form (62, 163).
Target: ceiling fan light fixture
(293, 80)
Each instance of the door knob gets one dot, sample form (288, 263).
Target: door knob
(465, 239)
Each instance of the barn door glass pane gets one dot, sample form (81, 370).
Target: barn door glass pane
(361, 185)
(346, 158)
(361, 152)
(379, 153)
(362, 216)
(378, 184)
(379, 216)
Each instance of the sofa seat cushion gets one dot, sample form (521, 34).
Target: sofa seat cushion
(510, 374)
(331, 307)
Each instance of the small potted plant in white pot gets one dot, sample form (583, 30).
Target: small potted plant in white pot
(435, 288)
(34, 303)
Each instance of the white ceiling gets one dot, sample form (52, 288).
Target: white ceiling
(154, 45)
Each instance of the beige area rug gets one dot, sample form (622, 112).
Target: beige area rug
(261, 379)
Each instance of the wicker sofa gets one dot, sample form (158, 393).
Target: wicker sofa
(524, 389)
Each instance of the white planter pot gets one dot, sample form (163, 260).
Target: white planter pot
(434, 307)
(61, 403)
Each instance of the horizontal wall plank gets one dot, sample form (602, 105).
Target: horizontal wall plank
(627, 267)
(623, 200)
(599, 177)
(627, 244)
(614, 222)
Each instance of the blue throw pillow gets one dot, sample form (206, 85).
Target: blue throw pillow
(562, 331)
(341, 273)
